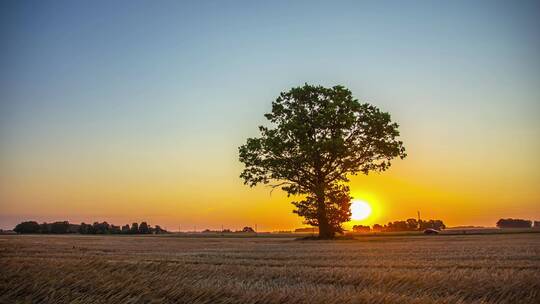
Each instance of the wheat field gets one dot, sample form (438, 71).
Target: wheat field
(169, 269)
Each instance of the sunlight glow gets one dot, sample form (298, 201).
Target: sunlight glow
(360, 210)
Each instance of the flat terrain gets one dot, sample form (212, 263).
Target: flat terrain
(169, 269)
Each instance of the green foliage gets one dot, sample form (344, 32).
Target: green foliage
(319, 136)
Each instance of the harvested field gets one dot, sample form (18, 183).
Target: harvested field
(169, 269)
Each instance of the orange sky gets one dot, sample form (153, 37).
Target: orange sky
(164, 188)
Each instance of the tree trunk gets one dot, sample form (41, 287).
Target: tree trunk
(325, 230)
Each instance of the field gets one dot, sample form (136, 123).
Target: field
(170, 269)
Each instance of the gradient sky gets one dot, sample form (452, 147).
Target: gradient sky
(133, 110)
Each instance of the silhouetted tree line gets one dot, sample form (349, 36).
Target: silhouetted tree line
(514, 223)
(55, 228)
(407, 225)
(96, 228)
(361, 228)
(245, 229)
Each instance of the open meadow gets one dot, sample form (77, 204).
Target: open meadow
(171, 269)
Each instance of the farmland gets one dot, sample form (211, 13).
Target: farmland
(169, 269)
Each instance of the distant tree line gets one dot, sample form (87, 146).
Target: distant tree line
(361, 228)
(95, 228)
(413, 224)
(515, 223)
(245, 229)
(407, 225)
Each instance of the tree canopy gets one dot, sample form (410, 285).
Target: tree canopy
(514, 223)
(316, 137)
(27, 227)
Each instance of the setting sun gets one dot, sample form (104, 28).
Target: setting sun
(360, 210)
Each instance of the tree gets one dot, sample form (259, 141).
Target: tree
(60, 227)
(410, 225)
(143, 228)
(514, 223)
(134, 228)
(317, 138)
(433, 224)
(85, 228)
(159, 230)
(27, 227)
(361, 228)
(378, 227)
(101, 228)
(114, 229)
(248, 229)
(44, 228)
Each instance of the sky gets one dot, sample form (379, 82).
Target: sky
(134, 110)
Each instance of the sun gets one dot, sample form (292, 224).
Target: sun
(360, 210)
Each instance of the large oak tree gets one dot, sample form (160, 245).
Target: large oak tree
(316, 137)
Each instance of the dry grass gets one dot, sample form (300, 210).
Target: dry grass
(121, 269)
